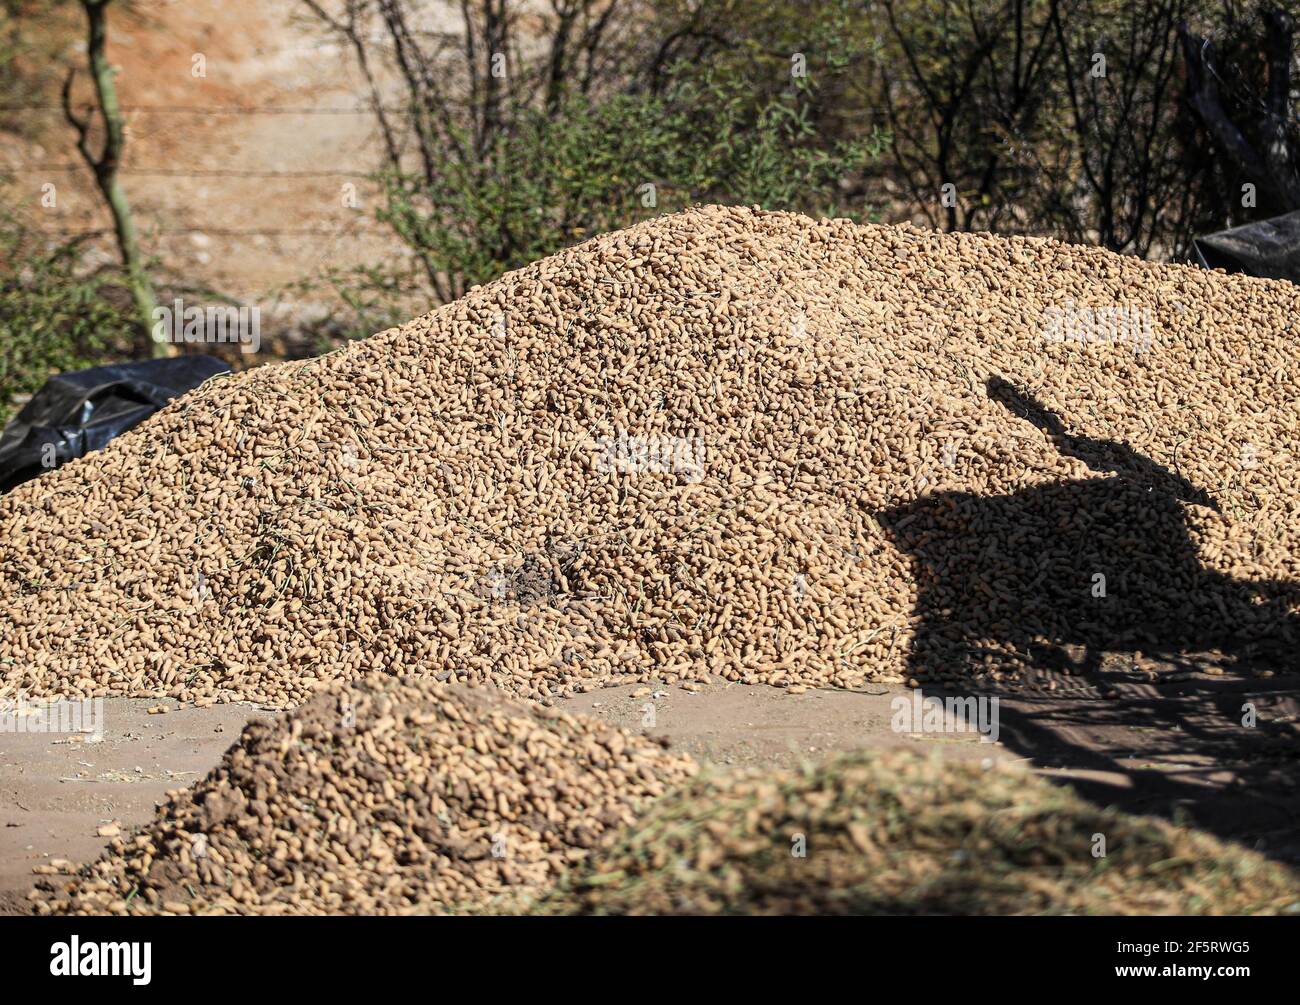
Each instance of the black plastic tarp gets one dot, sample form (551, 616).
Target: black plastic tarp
(1269, 249)
(75, 413)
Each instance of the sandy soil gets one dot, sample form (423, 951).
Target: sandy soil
(57, 790)
(740, 724)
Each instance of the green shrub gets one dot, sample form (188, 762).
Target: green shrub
(53, 316)
(558, 176)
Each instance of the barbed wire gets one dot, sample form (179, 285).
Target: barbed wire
(190, 172)
(210, 231)
(218, 109)
(212, 110)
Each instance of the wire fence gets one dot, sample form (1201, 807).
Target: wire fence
(160, 172)
(219, 109)
(188, 172)
(212, 232)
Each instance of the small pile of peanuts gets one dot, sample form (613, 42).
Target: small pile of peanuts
(389, 796)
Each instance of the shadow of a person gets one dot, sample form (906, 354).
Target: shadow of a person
(1107, 564)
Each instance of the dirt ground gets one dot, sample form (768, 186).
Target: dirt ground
(58, 790)
(1176, 749)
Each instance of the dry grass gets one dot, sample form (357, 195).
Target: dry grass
(901, 834)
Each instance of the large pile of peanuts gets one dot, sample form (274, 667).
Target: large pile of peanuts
(386, 797)
(900, 833)
(724, 442)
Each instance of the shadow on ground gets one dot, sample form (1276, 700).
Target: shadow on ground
(1178, 751)
(1164, 687)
